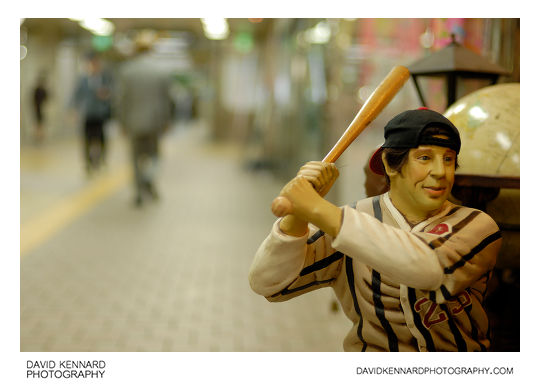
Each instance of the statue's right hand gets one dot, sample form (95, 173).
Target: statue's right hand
(321, 175)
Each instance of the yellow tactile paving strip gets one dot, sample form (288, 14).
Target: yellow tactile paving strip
(40, 228)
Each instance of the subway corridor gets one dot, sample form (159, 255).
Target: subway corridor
(98, 274)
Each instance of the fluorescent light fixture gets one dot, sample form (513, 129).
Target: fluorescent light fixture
(215, 28)
(320, 34)
(96, 26)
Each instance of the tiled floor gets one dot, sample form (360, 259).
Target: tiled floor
(171, 276)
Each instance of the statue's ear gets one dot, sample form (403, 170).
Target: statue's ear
(389, 171)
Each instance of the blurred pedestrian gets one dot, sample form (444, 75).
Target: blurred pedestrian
(39, 97)
(144, 112)
(92, 99)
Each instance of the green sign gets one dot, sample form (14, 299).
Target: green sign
(102, 43)
(243, 42)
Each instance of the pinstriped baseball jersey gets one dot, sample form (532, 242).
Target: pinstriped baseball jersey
(403, 288)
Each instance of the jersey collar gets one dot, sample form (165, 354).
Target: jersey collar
(402, 222)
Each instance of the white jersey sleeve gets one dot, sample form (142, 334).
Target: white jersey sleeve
(277, 262)
(286, 266)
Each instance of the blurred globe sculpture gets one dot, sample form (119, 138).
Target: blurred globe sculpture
(489, 121)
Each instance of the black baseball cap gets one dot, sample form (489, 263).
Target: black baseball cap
(405, 131)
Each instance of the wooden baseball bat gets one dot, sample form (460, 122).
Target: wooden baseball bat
(376, 102)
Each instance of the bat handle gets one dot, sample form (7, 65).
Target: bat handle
(281, 206)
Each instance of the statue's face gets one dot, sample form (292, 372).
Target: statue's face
(425, 180)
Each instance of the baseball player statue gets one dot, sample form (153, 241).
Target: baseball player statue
(409, 268)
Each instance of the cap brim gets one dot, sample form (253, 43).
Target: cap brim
(375, 163)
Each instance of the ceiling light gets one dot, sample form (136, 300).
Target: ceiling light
(96, 26)
(215, 28)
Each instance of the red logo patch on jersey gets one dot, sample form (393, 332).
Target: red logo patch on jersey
(432, 313)
(440, 229)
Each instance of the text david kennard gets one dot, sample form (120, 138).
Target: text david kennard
(65, 369)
